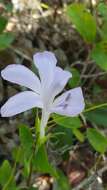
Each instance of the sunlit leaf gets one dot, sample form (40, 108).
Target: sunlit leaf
(41, 163)
(5, 174)
(98, 116)
(83, 21)
(102, 8)
(5, 40)
(26, 139)
(74, 81)
(79, 135)
(69, 122)
(97, 140)
(62, 182)
(3, 23)
(99, 54)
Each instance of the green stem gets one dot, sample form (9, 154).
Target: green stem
(44, 120)
(12, 174)
(95, 107)
(30, 172)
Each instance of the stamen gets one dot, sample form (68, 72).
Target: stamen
(68, 97)
(63, 105)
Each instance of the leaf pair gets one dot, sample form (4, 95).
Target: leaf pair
(86, 25)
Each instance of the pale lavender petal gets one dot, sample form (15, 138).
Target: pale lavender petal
(46, 63)
(70, 103)
(21, 75)
(21, 102)
(61, 78)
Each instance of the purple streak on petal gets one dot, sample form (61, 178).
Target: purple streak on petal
(70, 103)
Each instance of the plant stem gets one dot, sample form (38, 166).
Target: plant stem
(30, 172)
(95, 107)
(44, 120)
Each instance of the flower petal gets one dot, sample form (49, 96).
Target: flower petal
(21, 102)
(45, 62)
(61, 77)
(70, 103)
(21, 75)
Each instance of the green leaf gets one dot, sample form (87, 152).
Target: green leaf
(102, 8)
(6, 178)
(3, 23)
(62, 182)
(98, 116)
(41, 163)
(96, 89)
(32, 188)
(26, 167)
(5, 172)
(97, 140)
(69, 122)
(18, 155)
(103, 31)
(99, 54)
(7, 5)
(74, 81)
(62, 139)
(5, 40)
(83, 21)
(26, 139)
(78, 135)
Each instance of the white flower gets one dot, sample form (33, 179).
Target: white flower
(42, 91)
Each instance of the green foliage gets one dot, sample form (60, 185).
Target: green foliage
(41, 162)
(103, 31)
(102, 9)
(68, 122)
(3, 23)
(97, 140)
(62, 182)
(18, 154)
(26, 149)
(99, 54)
(62, 140)
(98, 116)
(74, 81)
(80, 136)
(7, 5)
(72, 123)
(26, 139)
(32, 188)
(6, 176)
(83, 21)
(5, 40)
(5, 172)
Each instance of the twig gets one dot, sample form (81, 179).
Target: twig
(21, 53)
(91, 178)
(94, 75)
